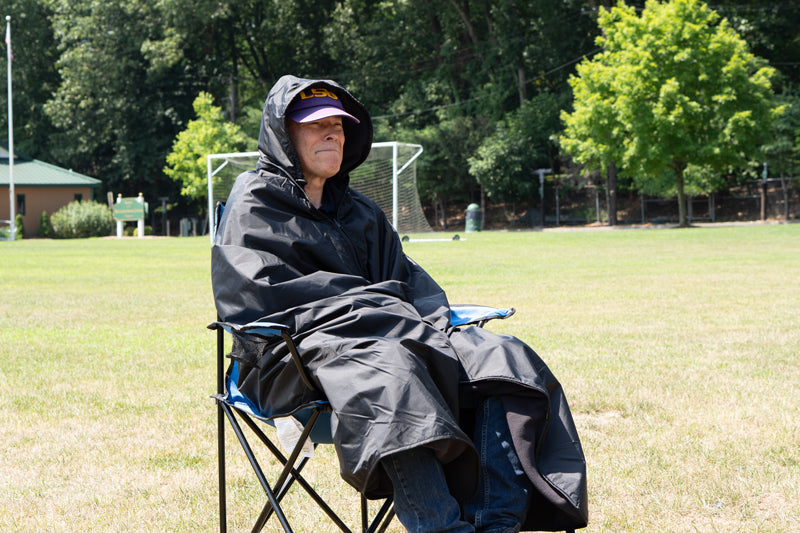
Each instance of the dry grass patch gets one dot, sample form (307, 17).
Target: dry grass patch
(677, 350)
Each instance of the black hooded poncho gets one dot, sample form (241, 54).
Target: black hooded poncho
(373, 330)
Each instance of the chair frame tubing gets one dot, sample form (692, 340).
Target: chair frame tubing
(288, 475)
(223, 517)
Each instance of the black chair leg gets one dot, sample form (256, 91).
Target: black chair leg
(287, 478)
(382, 518)
(257, 470)
(364, 514)
(223, 514)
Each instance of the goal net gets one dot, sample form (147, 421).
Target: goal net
(388, 177)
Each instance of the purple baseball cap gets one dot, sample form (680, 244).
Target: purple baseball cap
(317, 103)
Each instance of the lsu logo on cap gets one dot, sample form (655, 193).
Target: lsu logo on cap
(317, 92)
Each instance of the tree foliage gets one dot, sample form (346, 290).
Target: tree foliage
(128, 78)
(209, 133)
(34, 79)
(673, 87)
(505, 162)
(458, 64)
(104, 87)
(783, 151)
(772, 30)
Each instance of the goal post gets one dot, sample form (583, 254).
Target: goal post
(221, 175)
(388, 176)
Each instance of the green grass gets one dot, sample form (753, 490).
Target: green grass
(678, 350)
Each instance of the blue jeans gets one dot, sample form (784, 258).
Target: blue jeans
(423, 502)
(503, 490)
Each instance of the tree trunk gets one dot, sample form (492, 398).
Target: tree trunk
(682, 219)
(523, 93)
(442, 210)
(785, 188)
(233, 80)
(483, 208)
(233, 98)
(435, 210)
(611, 192)
(463, 12)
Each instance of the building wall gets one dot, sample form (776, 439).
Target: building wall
(39, 199)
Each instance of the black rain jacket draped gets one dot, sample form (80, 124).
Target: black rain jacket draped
(373, 330)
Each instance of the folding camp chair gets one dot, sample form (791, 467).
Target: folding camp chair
(314, 418)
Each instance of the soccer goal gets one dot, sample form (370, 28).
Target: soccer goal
(388, 177)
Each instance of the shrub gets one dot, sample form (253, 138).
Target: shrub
(82, 219)
(20, 225)
(133, 231)
(44, 230)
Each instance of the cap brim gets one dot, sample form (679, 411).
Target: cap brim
(318, 113)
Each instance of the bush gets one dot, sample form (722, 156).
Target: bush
(133, 231)
(82, 219)
(148, 230)
(20, 225)
(44, 230)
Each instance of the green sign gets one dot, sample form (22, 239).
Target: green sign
(128, 209)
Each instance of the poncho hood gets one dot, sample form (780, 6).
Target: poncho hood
(277, 153)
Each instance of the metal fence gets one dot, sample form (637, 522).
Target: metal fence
(771, 199)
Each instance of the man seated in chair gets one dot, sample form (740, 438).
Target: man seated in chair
(468, 429)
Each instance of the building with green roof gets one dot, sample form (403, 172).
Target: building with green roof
(40, 187)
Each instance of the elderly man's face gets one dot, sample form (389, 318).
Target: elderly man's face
(320, 146)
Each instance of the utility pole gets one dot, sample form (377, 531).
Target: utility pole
(764, 193)
(12, 201)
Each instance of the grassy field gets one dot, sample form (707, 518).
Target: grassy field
(678, 350)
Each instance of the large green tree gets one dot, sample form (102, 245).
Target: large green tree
(675, 86)
(209, 133)
(782, 154)
(104, 87)
(129, 71)
(441, 180)
(505, 162)
(772, 29)
(34, 76)
(254, 42)
(428, 69)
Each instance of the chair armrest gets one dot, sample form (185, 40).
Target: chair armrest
(261, 330)
(267, 331)
(463, 315)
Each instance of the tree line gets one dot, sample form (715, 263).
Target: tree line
(490, 88)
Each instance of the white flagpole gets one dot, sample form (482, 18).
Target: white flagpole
(11, 199)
